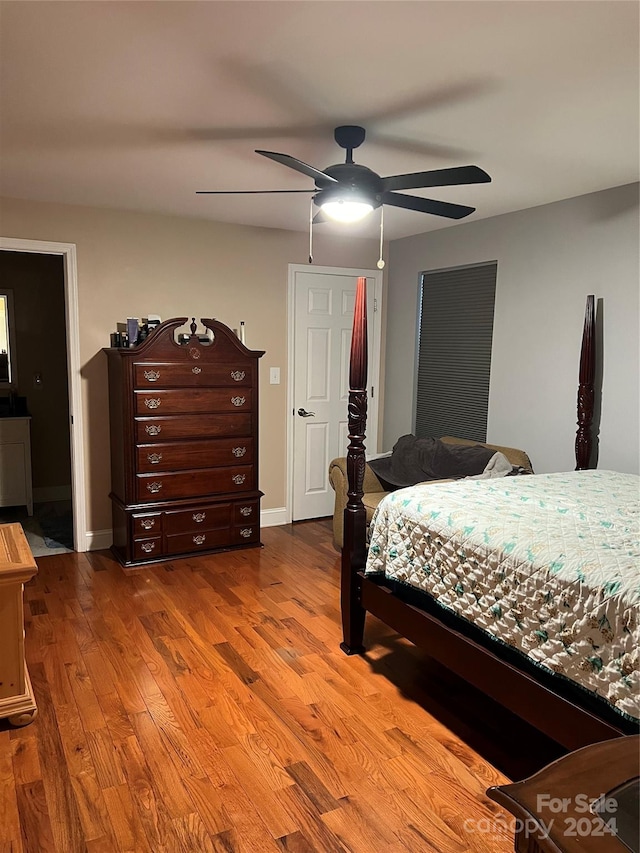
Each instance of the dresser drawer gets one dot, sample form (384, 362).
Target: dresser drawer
(208, 453)
(191, 426)
(147, 549)
(197, 518)
(207, 481)
(151, 374)
(183, 543)
(149, 524)
(245, 533)
(246, 512)
(192, 400)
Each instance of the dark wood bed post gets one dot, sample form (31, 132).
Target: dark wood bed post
(586, 387)
(354, 548)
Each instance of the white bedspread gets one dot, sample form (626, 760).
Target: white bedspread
(547, 563)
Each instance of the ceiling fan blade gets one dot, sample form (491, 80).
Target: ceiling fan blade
(249, 192)
(427, 205)
(437, 178)
(299, 166)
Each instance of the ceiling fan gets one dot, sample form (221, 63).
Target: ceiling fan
(348, 191)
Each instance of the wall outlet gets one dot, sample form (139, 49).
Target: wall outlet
(274, 375)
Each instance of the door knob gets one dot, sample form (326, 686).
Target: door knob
(304, 414)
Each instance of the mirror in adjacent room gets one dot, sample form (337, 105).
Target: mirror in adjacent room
(7, 340)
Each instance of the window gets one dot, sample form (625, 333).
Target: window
(454, 351)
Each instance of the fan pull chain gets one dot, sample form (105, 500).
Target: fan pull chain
(380, 264)
(311, 231)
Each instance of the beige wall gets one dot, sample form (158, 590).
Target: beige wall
(132, 264)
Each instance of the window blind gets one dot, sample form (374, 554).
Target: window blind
(454, 351)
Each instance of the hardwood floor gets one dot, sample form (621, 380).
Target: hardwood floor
(204, 705)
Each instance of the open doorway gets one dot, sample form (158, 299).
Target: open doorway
(55, 328)
(36, 400)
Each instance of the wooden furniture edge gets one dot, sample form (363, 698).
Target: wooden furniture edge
(17, 567)
(20, 710)
(22, 566)
(556, 798)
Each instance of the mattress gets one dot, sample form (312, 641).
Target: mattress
(548, 564)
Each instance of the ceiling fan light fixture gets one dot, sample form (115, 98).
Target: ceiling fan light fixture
(346, 210)
(348, 192)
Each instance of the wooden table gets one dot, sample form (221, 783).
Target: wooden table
(552, 807)
(17, 566)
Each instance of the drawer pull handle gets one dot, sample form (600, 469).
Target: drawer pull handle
(239, 479)
(147, 523)
(154, 487)
(239, 451)
(148, 547)
(246, 532)
(199, 539)
(154, 458)
(196, 370)
(199, 517)
(246, 511)
(238, 401)
(152, 375)
(152, 429)
(238, 375)
(152, 402)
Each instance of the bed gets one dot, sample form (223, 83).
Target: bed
(526, 587)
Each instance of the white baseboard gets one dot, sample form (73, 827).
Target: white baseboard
(99, 540)
(44, 494)
(273, 517)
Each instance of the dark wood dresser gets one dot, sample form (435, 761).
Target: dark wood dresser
(184, 444)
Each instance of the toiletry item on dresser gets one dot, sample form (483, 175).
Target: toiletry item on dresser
(134, 331)
(133, 328)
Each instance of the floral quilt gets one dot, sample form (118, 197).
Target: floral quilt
(547, 563)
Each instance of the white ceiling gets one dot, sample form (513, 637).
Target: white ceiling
(139, 104)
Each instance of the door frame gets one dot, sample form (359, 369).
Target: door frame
(373, 373)
(76, 429)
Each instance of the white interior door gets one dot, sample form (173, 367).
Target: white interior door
(323, 301)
